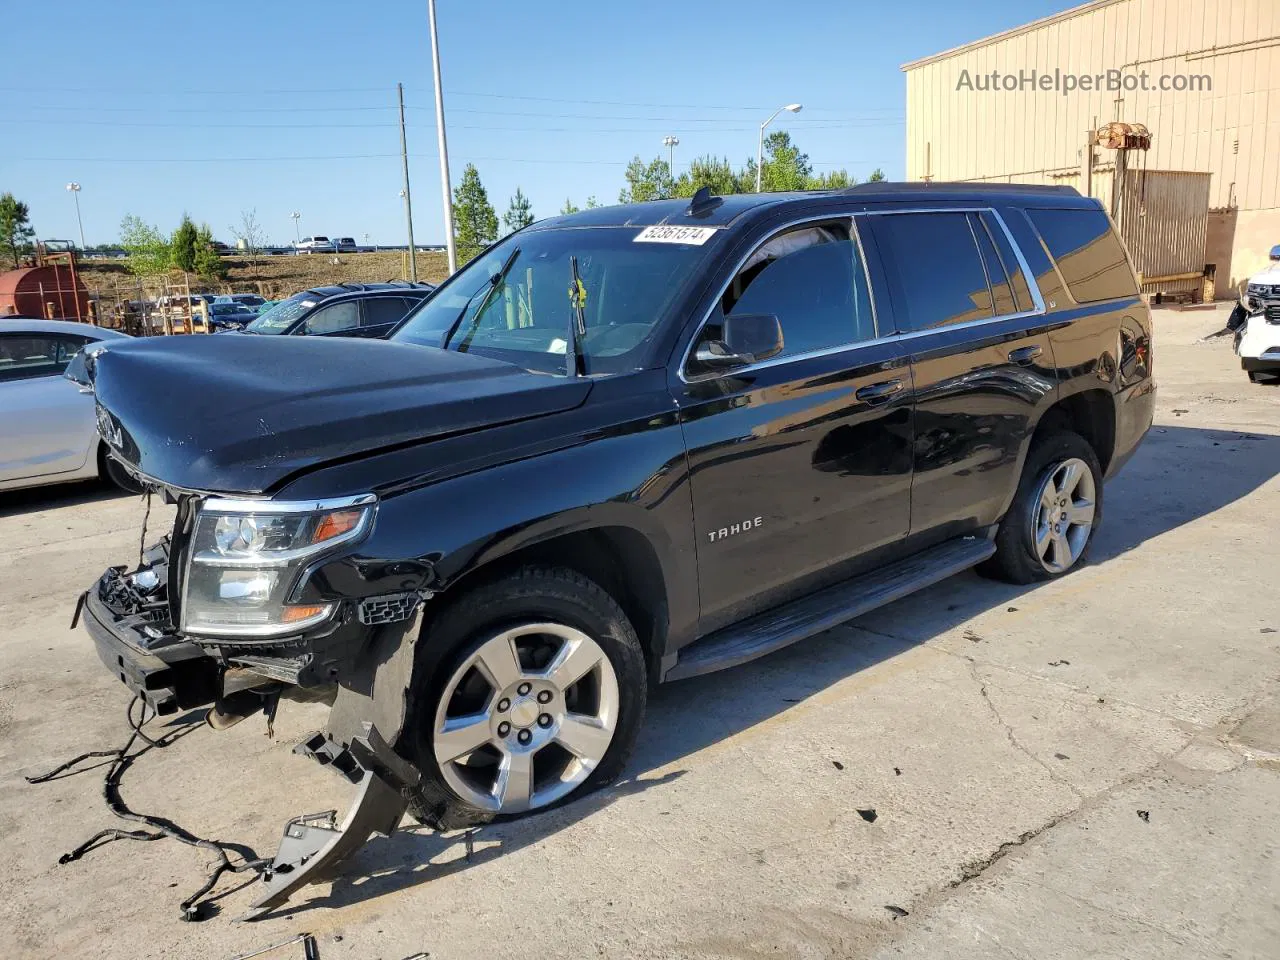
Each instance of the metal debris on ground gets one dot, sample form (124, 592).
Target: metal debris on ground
(310, 950)
(1060, 663)
(896, 911)
(1144, 816)
(868, 815)
(897, 772)
(193, 908)
(837, 764)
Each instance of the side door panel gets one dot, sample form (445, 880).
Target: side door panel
(793, 475)
(981, 362)
(46, 424)
(800, 466)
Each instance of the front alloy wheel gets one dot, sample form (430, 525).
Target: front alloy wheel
(1063, 519)
(526, 718)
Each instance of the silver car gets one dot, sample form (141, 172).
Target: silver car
(48, 429)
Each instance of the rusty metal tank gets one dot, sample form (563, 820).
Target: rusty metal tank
(51, 291)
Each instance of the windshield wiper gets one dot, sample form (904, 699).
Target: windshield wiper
(577, 323)
(488, 290)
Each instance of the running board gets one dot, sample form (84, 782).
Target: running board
(828, 608)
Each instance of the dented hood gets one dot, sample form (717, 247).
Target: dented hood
(236, 414)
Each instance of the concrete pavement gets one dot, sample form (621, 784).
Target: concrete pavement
(958, 775)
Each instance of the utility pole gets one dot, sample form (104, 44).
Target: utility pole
(408, 200)
(671, 143)
(445, 189)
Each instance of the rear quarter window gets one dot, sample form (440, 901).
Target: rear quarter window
(1087, 252)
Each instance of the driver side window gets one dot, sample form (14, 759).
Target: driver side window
(813, 280)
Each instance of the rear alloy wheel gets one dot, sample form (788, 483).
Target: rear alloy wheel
(1063, 520)
(526, 718)
(1056, 510)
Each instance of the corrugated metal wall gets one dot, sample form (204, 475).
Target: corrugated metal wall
(1163, 217)
(1232, 132)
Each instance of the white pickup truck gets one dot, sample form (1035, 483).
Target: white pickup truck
(314, 245)
(1258, 338)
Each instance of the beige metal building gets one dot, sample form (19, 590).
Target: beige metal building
(1207, 190)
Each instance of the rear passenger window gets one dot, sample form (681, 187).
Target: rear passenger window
(939, 272)
(383, 310)
(1088, 253)
(813, 280)
(1001, 293)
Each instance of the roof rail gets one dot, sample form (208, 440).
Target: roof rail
(975, 186)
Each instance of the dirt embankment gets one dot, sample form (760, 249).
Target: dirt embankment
(272, 277)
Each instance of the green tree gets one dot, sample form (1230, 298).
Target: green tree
(16, 232)
(592, 203)
(785, 167)
(519, 212)
(475, 225)
(835, 180)
(713, 172)
(650, 181)
(149, 252)
(183, 245)
(876, 175)
(569, 207)
(208, 262)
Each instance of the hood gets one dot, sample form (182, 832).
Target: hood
(239, 414)
(1270, 275)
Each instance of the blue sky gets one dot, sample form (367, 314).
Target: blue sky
(160, 107)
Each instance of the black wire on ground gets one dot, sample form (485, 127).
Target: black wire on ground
(122, 760)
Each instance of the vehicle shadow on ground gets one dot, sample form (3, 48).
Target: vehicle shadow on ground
(1179, 475)
(35, 499)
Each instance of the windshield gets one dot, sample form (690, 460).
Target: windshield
(283, 315)
(629, 285)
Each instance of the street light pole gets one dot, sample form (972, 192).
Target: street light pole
(297, 237)
(793, 108)
(671, 143)
(445, 189)
(408, 198)
(75, 192)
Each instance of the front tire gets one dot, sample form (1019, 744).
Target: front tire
(1056, 511)
(108, 467)
(528, 692)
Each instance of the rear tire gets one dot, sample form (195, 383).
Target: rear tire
(1055, 513)
(566, 738)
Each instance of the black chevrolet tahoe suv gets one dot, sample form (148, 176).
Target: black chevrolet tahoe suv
(621, 447)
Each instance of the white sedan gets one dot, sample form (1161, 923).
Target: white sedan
(48, 425)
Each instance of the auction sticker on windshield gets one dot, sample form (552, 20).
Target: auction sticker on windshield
(671, 234)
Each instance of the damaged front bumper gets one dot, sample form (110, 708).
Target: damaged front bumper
(362, 663)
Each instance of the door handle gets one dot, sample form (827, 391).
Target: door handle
(878, 391)
(1025, 354)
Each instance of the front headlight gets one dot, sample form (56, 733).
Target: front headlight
(246, 557)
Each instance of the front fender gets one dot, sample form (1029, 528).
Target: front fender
(430, 536)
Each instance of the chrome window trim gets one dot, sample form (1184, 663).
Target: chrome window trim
(1038, 308)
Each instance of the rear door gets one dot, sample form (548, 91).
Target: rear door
(46, 423)
(800, 464)
(340, 319)
(981, 362)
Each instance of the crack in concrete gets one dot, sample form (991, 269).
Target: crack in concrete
(975, 868)
(1012, 737)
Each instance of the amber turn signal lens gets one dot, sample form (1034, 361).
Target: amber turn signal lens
(336, 524)
(295, 613)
